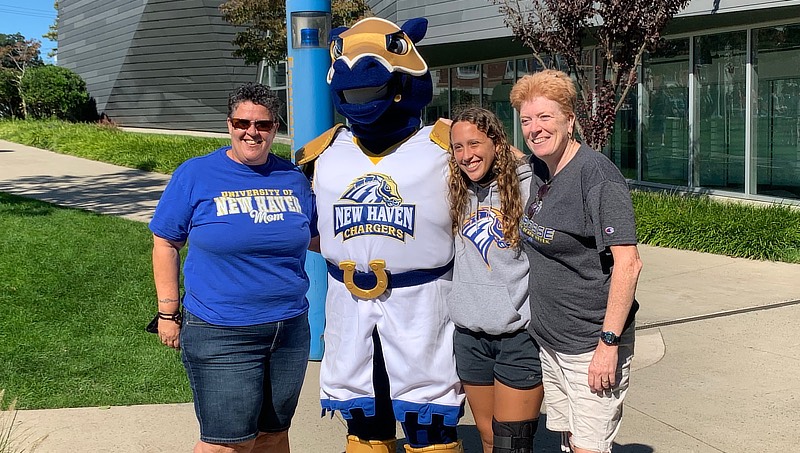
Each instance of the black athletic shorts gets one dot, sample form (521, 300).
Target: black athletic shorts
(512, 359)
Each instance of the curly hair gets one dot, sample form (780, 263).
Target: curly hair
(504, 166)
(257, 94)
(551, 84)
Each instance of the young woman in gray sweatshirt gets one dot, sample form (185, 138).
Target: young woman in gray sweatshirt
(496, 358)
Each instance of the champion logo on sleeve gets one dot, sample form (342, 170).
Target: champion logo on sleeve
(609, 230)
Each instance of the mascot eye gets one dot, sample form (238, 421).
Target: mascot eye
(336, 48)
(396, 43)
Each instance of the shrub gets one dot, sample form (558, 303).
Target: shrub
(10, 102)
(53, 91)
(703, 224)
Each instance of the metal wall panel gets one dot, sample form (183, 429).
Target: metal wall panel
(153, 63)
(449, 20)
(386, 9)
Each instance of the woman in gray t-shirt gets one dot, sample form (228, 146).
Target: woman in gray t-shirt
(580, 237)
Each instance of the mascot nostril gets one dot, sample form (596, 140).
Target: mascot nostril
(386, 233)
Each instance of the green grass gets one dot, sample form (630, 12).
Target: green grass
(150, 152)
(699, 223)
(76, 293)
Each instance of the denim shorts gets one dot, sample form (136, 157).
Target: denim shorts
(512, 359)
(244, 380)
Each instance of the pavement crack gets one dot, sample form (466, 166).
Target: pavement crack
(675, 428)
(689, 272)
(719, 314)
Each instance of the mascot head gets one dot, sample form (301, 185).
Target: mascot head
(378, 79)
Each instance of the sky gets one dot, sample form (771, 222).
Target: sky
(32, 18)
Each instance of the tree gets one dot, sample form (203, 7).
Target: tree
(52, 33)
(559, 31)
(18, 54)
(10, 102)
(16, 48)
(57, 92)
(264, 22)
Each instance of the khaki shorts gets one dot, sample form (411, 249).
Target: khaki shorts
(593, 419)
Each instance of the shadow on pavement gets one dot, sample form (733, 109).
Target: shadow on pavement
(545, 441)
(633, 448)
(132, 193)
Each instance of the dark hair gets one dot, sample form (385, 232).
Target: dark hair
(257, 94)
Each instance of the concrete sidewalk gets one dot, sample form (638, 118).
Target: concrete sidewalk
(716, 366)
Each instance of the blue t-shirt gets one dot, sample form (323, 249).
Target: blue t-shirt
(248, 229)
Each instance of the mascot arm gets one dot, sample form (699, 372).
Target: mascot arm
(305, 156)
(440, 134)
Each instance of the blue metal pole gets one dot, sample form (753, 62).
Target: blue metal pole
(310, 114)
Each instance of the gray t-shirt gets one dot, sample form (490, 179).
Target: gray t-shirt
(566, 234)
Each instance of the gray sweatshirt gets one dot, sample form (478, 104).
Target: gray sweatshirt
(490, 279)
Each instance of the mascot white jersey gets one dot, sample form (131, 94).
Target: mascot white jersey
(385, 232)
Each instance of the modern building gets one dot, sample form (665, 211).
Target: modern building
(164, 64)
(717, 109)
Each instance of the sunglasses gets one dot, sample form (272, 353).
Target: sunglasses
(261, 125)
(534, 207)
(543, 189)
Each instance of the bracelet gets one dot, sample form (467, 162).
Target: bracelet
(177, 318)
(167, 301)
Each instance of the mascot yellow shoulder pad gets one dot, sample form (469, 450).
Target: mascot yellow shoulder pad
(315, 147)
(440, 134)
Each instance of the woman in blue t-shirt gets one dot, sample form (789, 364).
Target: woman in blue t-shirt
(243, 329)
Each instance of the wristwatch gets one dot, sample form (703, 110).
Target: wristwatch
(609, 338)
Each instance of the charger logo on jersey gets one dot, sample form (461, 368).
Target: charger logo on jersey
(374, 207)
(484, 228)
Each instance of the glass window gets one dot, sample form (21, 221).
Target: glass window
(278, 75)
(283, 126)
(527, 66)
(275, 78)
(621, 147)
(472, 71)
(720, 100)
(439, 107)
(497, 83)
(524, 66)
(777, 128)
(665, 125)
(466, 87)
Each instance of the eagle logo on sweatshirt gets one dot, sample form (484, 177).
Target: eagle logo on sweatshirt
(484, 228)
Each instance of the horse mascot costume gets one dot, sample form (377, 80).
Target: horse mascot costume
(385, 231)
